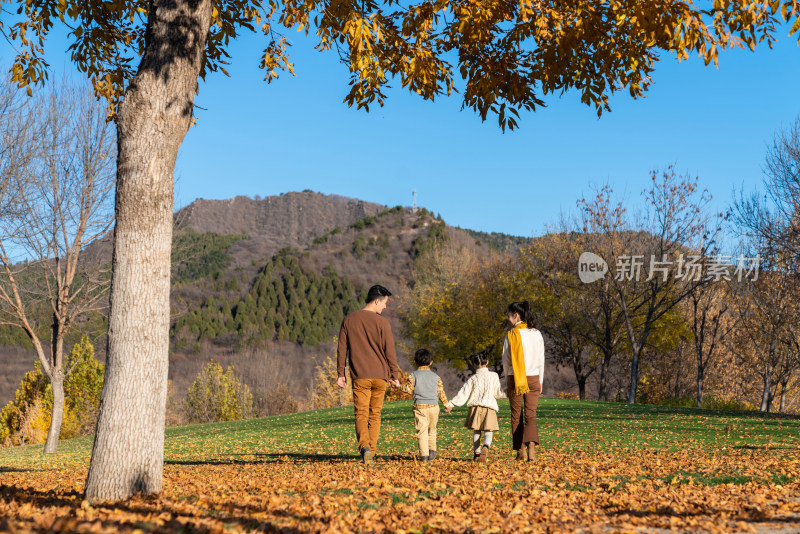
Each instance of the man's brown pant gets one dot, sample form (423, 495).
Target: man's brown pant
(368, 394)
(523, 429)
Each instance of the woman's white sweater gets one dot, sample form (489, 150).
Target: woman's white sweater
(533, 348)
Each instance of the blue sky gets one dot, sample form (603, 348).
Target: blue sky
(296, 133)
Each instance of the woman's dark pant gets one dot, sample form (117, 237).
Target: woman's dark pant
(523, 429)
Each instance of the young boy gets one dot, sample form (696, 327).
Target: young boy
(427, 390)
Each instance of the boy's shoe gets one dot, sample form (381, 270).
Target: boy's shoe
(431, 455)
(424, 458)
(482, 457)
(366, 455)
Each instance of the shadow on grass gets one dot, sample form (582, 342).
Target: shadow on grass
(763, 447)
(40, 498)
(142, 508)
(748, 515)
(268, 458)
(297, 457)
(4, 469)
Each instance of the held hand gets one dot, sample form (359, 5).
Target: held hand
(342, 382)
(395, 383)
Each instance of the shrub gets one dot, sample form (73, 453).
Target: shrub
(278, 401)
(26, 419)
(360, 224)
(437, 235)
(325, 393)
(650, 391)
(567, 395)
(396, 209)
(710, 402)
(82, 388)
(359, 247)
(218, 396)
(176, 409)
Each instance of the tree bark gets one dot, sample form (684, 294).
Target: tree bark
(634, 376)
(56, 377)
(153, 119)
(580, 377)
(602, 389)
(700, 380)
(57, 414)
(582, 387)
(766, 392)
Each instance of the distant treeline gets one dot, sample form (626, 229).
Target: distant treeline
(284, 304)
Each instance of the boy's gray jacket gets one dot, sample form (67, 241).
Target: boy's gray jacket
(426, 384)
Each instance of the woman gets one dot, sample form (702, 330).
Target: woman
(523, 361)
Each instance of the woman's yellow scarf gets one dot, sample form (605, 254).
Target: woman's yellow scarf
(518, 359)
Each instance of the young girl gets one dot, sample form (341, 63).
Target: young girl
(481, 390)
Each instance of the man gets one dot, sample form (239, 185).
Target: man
(367, 338)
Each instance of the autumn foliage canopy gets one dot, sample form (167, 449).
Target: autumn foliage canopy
(508, 55)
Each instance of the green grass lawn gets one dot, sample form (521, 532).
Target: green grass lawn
(610, 466)
(564, 425)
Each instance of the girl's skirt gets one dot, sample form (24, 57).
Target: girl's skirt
(482, 418)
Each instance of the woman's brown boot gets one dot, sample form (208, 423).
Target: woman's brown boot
(531, 452)
(521, 455)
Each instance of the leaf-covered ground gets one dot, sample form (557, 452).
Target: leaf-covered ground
(602, 467)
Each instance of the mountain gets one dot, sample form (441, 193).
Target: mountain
(287, 220)
(262, 284)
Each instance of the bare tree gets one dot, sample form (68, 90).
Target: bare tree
(765, 313)
(769, 225)
(711, 323)
(599, 307)
(791, 362)
(673, 223)
(560, 301)
(57, 201)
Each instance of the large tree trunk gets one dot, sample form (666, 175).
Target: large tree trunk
(57, 414)
(154, 117)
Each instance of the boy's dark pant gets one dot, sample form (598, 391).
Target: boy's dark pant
(523, 429)
(368, 394)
